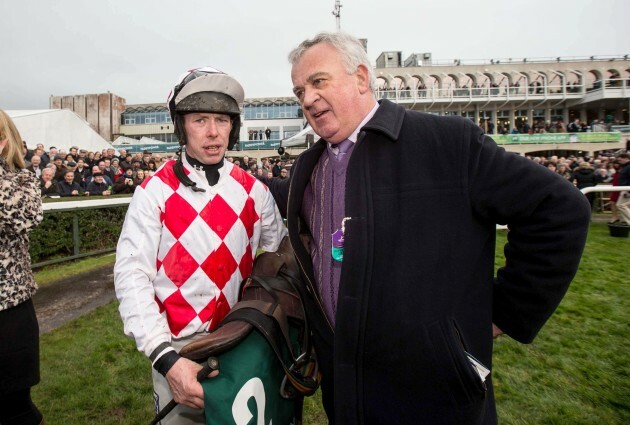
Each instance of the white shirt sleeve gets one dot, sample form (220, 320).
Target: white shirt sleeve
(135, 271)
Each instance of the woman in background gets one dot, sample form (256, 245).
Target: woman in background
(20, 212)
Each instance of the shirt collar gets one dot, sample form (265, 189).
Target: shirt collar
(355, 134)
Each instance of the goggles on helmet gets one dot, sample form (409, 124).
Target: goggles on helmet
(206, 90)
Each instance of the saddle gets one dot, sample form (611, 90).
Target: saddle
(271, 303)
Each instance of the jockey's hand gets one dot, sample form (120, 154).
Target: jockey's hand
(182, 378)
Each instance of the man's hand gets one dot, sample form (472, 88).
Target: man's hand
(182, 378)
(496, 331)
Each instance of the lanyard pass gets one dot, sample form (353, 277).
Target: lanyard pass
(338, 240)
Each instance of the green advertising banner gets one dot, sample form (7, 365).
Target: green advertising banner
(542, 138)
(161, 147)
(172, 147)
(246, 145)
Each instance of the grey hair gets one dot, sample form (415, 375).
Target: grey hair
(349, 47)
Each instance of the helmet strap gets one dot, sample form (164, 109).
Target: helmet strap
(178, 168)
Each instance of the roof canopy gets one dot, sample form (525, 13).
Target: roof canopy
(60, 128)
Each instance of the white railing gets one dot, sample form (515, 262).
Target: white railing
(604, 188)
(86, 204)
(486, 91)
(53, 207)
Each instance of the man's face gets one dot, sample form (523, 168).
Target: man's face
(36, 161)
(207, 136)
(80, 164)
(101, 165)
(47, 174)
(69, 177)
(331, 98)
(95, 169)
(98, 179)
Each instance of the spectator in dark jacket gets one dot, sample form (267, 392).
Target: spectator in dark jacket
(125, 183)
(98, 186)
(48, 184)
(68, 187)
(585, 176)
(60, 168)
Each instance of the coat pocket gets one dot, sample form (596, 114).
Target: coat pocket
(456, 374)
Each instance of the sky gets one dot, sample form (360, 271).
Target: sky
(137, 48)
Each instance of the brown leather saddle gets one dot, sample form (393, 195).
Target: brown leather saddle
(272, 305)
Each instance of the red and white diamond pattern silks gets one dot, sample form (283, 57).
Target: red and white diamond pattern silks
(203, 241)
(206, 243)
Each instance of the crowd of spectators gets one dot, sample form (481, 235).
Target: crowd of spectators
(583, 171)
(265, 167)
(79, 172)
(553, 126)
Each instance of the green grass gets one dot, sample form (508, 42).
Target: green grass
(575, 372)
(49, 274)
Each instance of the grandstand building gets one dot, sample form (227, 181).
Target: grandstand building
(509, 92)
(504, 96)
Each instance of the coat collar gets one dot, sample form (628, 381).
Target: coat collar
(387, 120)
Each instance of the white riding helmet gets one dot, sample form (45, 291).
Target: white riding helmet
(206, 90)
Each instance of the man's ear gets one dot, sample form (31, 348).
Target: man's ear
(363, 80)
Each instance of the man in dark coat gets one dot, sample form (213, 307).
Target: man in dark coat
(400, 263)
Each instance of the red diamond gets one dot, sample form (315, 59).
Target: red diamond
(249, 217)
(180, 312)
(182, 215)
(221, 310)
(160, 305)
(219, 266)
(244, 179)
(167, 175)
(179, 265)
(206, 313)
(245, 266)
(219, 216)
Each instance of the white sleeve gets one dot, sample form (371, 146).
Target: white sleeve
(273, 228)
(135, 271)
